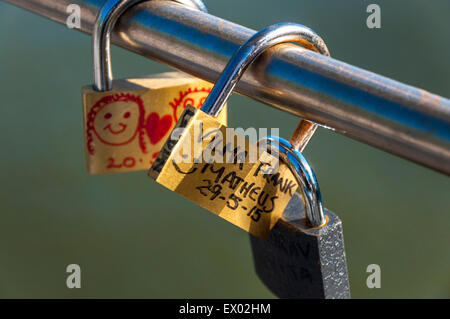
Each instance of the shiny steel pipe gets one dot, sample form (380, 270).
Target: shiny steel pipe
(249, 51)
(370, 108)
(104, 24)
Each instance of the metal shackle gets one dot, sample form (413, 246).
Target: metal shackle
(250, 50)
(233, 71)
(305, 177)
(104, 23)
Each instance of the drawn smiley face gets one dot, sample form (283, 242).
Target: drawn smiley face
(192, 96)
(117, 123)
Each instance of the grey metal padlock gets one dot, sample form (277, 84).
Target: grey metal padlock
(298, 260)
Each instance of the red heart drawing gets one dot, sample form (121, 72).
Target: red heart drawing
(156, 127)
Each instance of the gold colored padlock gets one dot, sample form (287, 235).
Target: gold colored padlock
(202, 162)
(127, 121)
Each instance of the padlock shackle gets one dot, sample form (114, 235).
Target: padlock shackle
(250, 50)
(104, 24)
(232, 73)
(305, 177)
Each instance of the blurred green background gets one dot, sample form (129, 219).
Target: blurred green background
(135, 239)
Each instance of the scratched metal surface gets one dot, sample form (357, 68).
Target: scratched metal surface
(297, 261)
(132, 238)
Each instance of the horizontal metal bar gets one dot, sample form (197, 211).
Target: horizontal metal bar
(373, 109)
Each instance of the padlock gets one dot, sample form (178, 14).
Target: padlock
(304, 255)
(228, 181)
(127, 121)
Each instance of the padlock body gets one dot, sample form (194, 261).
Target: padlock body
(234, 184)
(126, 127)
(297, 261)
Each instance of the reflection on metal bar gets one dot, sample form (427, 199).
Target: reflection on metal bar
(378, 111)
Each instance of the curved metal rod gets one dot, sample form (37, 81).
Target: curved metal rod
(306, 179)
(250, 50)
(104, 24)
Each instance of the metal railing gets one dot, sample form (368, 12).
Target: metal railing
(373, 109)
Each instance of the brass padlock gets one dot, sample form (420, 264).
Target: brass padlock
(127, 121)
(304, 256)
(249, 192)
